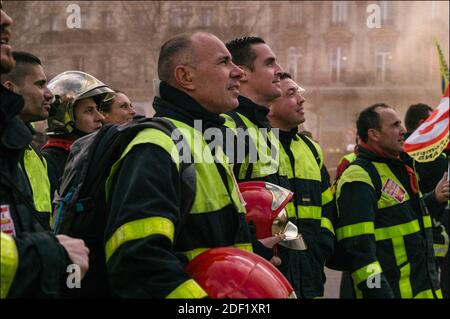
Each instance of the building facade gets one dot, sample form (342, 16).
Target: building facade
(346, 54)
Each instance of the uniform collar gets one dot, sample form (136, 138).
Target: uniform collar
(178, 105)
(254, 112)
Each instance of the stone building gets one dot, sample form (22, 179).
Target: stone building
(346, 54)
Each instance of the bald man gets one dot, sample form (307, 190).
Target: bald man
(158, 221)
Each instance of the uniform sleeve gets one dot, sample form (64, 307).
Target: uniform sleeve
(32, 265)
(356, 237)
(144, 218)
(435, 208)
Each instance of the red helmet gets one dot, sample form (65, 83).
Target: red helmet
(265, 205)
(228, 272)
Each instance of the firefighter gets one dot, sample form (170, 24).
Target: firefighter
(75, 113)
(163, 214)
(29, 80)
(383, 226)
(118, 110)
(255, 139)
(430, 174)
(308, 178)
(33, 260)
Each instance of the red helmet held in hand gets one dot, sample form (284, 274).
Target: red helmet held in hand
(228, 272)
(265, 206)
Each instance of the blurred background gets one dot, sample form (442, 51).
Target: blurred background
(346, 54)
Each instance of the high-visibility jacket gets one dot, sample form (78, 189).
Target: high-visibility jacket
(261, 161)
(9, 263)
(312, 208)
(388, 242)
(156, 224)
(35, 168)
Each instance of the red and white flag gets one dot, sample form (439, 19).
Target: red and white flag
(431, 137)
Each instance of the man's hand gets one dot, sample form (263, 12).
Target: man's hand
(442, 190)
(77, 251)
(269, 242)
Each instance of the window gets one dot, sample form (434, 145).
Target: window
(436, 10)
(295, 13)
(84, 20)
(386, 12)
(181, 16)
(206, 16)
(294, 62)
(140, 69)
(105, 68)
(338, 62)
(236, 16)
(78, 62)
(55, 23)
(339, 12)
(383, 61)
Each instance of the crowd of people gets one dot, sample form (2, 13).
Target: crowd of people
(383, 221)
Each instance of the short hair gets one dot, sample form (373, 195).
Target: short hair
(415, 114)
(368, 119)
(242, 52)
(285, 75)
(171, 55)
(21, 70)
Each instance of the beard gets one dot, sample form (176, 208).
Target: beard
(7, 63)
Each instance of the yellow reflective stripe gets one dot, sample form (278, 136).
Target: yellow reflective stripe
(191, 254)
(326, 223)
(401, 258)
(397, 230)
(189, 289)
(440, 250)
(244, 246)
(290, 209)
(327, 196)
(311, 212)
(363, 273)
(427, 221)
(148, 135)
(398, 244)
(36, 171)
(9, 263)
(405, 282)
(365, 228)
(428, 294)
(139, 229)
